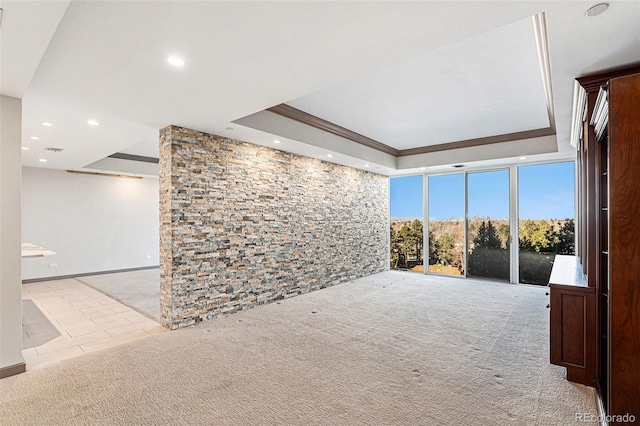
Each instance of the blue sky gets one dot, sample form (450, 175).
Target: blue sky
(546, 191)
(446, 196)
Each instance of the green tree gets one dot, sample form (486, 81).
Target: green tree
(527, 228)
(544, 238)
(488, 258)
(487, 236)
(417, 235)
(504, 234)
(434, 249)
(395, 248)
(540, 241)
(566, 238)
(445, 249)
(407, 244)
(407, 241)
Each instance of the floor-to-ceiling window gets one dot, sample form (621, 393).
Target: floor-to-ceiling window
(474, 217)
(546, 218)
(446, 224)
(407, 236)
(488, 225)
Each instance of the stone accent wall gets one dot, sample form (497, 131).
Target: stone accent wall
(244, 225)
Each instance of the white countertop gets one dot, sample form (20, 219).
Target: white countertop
(567, 271)
(32, 250)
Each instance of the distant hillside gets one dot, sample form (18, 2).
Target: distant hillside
(539, 241)
(455, 227)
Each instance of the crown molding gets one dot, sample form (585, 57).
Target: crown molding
(300, 116)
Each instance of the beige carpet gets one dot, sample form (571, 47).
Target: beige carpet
(139, 290)
(391, 349)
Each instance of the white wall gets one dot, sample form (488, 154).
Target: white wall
(10, 286)
(93, 223)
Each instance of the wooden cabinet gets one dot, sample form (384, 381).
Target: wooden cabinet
(609, 250)
(573, 321)
(624, 245)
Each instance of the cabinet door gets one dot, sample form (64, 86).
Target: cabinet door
(572, 333)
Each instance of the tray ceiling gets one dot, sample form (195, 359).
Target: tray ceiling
(407, 74)
(486, 85)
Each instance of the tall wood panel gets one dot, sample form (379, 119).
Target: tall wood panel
(609, 209)
(624, 250)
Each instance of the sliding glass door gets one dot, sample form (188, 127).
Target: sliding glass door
(472, 218)
(488, 235)
(469, 237)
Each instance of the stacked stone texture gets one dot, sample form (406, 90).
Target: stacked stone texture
(244, 225)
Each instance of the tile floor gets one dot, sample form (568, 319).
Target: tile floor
(86, 319)
(36, 327)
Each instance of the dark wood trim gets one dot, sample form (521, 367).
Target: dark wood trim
(86, 274)
(12, 370)
(591, 235)
(132, 157)
(508, 137)
(322, 124)
(601, 279)
(295, 114)
(593, 82)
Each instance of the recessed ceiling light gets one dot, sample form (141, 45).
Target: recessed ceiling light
(93, 123)
(35, 138)
(366, 165)
(176, 61)
(522, 158)
(330, 155)
(24, 148)
(597, 9)
(46, 123)
(42, 160)
(276, 141)
(423, 168)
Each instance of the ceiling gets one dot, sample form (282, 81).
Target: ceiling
(405, 74)
(486, 85)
